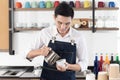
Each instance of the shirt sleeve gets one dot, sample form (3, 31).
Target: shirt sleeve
(82, 53)
(35, 43)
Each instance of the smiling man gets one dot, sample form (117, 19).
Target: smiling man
(67, 42)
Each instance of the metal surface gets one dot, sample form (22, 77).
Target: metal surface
(93, 16)
(12, 71)
(52, 57)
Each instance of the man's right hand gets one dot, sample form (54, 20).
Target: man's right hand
(45, 50)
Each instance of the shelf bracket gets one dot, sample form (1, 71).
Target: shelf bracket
(11, 25)
(93, 16)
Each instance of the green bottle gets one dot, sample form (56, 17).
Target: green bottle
(117, 59)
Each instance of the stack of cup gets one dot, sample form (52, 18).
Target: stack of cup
(102, 75)
(114, 71)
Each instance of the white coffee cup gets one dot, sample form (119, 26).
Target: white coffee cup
(76, 25)
(61, 62)
(37, 72)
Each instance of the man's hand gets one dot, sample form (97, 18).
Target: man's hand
(62, 68)
(45, 50)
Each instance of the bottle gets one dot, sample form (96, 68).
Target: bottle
(106, 63)
(101, 62)
(112, 59)
(117, 59)
(96, 65)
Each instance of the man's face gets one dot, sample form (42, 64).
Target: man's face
(63, 24)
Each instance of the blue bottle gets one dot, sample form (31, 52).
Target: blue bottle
(96, 66)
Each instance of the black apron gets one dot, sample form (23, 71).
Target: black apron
(66, 51)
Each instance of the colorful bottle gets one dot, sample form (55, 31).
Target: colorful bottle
(101, 62)
(112, 59)
(117, 59)
(96, 65)
(106, 63)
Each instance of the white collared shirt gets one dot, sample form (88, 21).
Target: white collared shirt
(45, 35)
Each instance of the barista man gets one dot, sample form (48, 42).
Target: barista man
(67, 42)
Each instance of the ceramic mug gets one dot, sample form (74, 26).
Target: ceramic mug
(101, 4)
(27, 5)
(34, 4)
(111, 4)
(56, 3)
(77, 25)
(18, 5)
(42, 4)
(48, 4)
(77, 4)
(71, 3)
(61, 62)
(87, 4)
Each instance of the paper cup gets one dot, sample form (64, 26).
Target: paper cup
(90, 76)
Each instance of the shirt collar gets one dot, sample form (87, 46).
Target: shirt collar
(55, 32)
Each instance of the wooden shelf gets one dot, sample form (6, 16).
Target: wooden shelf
(27, 29)
(37, 29)
(107, 28)
(86, 29)
(50, 9)
(106, 8)
(97, 29)
(34, 9)
(82, 9)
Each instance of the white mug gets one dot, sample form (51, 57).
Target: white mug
(76, 25)
(61, 62)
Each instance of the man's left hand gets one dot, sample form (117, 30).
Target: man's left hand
(62, 68)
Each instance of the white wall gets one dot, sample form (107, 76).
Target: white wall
(98, 42)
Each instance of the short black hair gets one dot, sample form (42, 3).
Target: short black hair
(64, 9)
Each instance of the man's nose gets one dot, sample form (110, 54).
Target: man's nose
(63, 26)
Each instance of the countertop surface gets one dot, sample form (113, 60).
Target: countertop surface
(26, 72)
(12, 61)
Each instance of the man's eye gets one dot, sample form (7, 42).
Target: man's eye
(59, 23)
(67, 23)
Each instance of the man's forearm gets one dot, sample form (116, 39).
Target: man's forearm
(74, 67)
(33, 54)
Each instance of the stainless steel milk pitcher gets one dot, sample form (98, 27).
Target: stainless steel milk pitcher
(52, 57)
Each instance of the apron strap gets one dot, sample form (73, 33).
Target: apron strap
(72, 41)
(53, 39)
